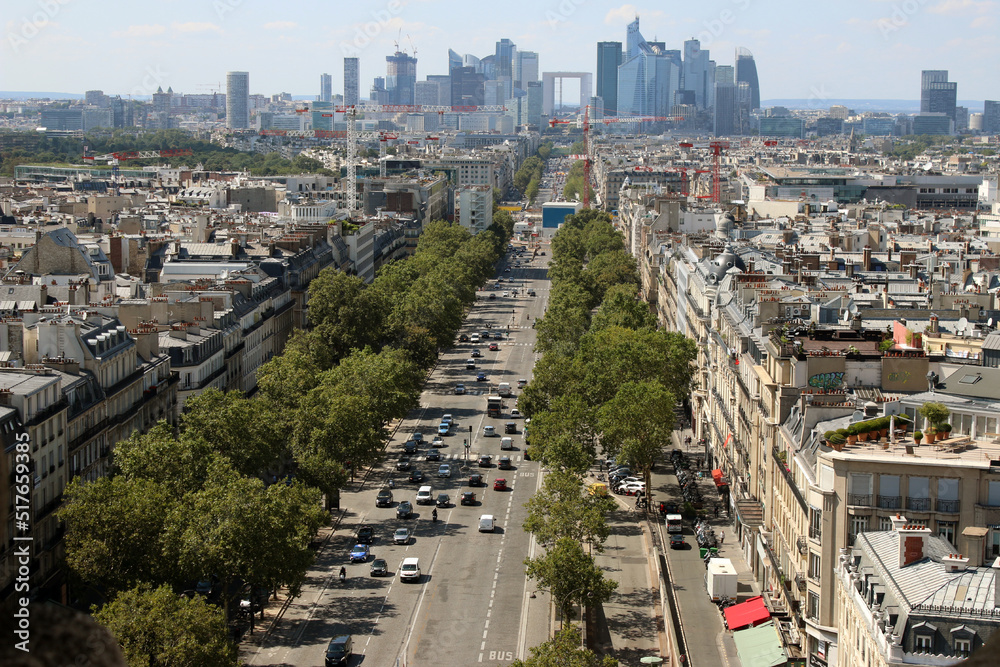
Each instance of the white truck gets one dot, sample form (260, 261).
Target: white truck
(720, 579)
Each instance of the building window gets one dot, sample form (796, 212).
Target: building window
(885, 523)
(815, 523)
(946, 529)
(859, 524)
(812, 607)
(815, 566)
(963, 647)
(923, 643)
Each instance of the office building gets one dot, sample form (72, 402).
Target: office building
(525, 69)
(933, 123)
(991, 117)
(647, 79)
(325, 88)
(725, 109)
(746, 72)
(352, 81)
(781, 126)
(725, 74)
(609, 59)
(62, 119)
(454, 60)
(503, 63)
(937, 94)
(401, 78)
(696, 75)
(534, 98)
(467, 87)
(238, 100)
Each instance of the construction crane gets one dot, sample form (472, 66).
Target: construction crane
(717, 148)
(114, 158)
(586, 139)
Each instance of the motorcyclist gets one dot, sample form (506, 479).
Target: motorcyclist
(343, 573)
(434, 514)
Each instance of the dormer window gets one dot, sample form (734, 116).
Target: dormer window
(923, 643)
(963, 647)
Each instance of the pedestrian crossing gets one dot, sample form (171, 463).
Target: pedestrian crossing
(473, 457)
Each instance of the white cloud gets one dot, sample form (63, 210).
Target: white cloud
(982, 22)
(193, 26)
(281, 25)
(962, 6)
(140, 31)
(623, 14)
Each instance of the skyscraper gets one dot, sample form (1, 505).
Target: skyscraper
(696, 73)
(237, 100)
(725, 109)
(609, 58)
(467, 87)
(352, 81)
(937, 94)
(746, 72)
(991, 117)
(525, 69)
(647, 80)
(454, 60)
(325, 88)
(504, 58)
(401, 78)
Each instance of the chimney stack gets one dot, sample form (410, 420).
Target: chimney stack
(911, 543)
(866, 257)
(955, 563)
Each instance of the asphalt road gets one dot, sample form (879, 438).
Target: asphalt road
(469, 606)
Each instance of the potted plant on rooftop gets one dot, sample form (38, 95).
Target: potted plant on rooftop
(837, 442)
(917, 437)
(945, 430)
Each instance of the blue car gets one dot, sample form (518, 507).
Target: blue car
(359, 554)
(481, 376)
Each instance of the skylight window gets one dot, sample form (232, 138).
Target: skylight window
(970, 379)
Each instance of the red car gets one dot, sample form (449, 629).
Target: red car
(500, 484)
(494, 347)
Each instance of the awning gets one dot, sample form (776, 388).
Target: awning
(760, 646)
(746, 614)
(717, 476)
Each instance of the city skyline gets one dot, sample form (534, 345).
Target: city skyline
(801, 52)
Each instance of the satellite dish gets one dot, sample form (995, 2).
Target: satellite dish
(853, 308)
(962, 324)
(989, 322)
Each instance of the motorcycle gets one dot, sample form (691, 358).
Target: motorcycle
(343, 575)
(392, 484)
(434, 516)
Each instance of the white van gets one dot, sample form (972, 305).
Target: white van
(674, 523)
(506, 443)
(503, 388)
(410, 570)
(425, 496)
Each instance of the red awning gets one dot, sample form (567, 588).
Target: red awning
(717, 475)
(747, 614)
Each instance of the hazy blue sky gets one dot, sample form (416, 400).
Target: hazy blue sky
(845, 49)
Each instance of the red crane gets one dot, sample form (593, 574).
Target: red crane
(717, 148)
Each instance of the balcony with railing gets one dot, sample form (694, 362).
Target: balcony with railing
(890, 502)
(918, 504)
(948, 506)
(859, 499)
(815, 533)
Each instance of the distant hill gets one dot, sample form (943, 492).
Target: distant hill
(27, 95)
(888, 106)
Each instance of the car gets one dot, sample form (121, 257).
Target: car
(206, 586)
(522, 383)
(468, 498)
(486, 335)
(463, 338)
(459, 389)
(436, 442)
(410, 446)
(474, 338)
(404, 510)
(401, 536)
(475, 479)
(444, 428)
(491, 296)
(443, 500)
(384, 498)
(510, 427)
(485, 461)
(542, 253)
(447, 419)
(531, 292)
(403, 464)
(470, 364)
(359, 554)
(632, 488)
(677, 541)
(481, 376)
(500, 484)
(506, 269)
(366, 534)
(506, 442)
(418, 437)
(475, 353)
(489, 431)
(254, 598)
(444, 470)
(379, 568)
(506, 294)
(410, 570)
(494, 347)
(504, 463)
(433, 455)
(626, 480)
(339, 651)
(416, 476)
(487, 524)
(515, 413)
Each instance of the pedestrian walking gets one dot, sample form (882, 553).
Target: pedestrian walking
(722, 538)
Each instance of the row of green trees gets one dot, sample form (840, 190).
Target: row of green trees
(608, 379)
(528, 178)
(182, 505)
(574, 182)
(68, 150)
